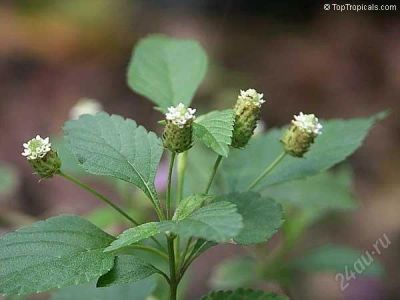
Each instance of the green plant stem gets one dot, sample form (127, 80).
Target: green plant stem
(267, 170)
(214, 171)
(170, 171)
(182, 163)
(150, 249)
(210, 181)
(98, 195)
(105, 200)
(181, 168)
(173, 280)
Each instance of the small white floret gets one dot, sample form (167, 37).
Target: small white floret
(180, 115)
(309, 123)
(252, 97)
(36, 148)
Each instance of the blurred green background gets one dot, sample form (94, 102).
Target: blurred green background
(334, 64)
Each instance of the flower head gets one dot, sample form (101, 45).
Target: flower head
(247, 113)
(85, 106)
(251, 96)
(308, 123)
(180, 115)
(36, 148)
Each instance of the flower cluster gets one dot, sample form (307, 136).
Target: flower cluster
(180, 115)
(301, 134)
(309, 123)
(36, 148)
(251, 97)
(247, 114)
(43, 159)
(178, 131)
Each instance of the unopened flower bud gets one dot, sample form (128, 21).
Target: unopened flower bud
(301, 134)
(247, 113)
(178, 130)
(43, 159)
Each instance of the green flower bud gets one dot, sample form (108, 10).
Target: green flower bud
(43, 159)
(301, 134)
(247, 113)
(178, 131)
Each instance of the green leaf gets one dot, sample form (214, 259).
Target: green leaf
(262, 216)
(217, 222)
(58, 252)
(243, 294)
(334, 258)
(188, 205)
(215, 130)
(167, 70)
(113, 146)
(134, 235)
(328, 191)
(339, 139)
(69, 162)
(235, 273)
(134, 291)
(126, 269)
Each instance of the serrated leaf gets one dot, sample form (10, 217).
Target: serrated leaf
(217, 222)
(235, 272)
(133, 291)
(335, 258)
(112, 146)
(127, 269)
(167, 70)
(188, 205)
(243, 294)
(134, 235)
(262, 216)
(215, 130)
(328, 191)
(339, 139)
(58, 252)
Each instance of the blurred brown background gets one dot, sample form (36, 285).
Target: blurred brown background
(335, 64)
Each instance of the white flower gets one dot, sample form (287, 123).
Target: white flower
(36, 148)
(252, 97)
(85, 106)
(180, 115)
(309, 123)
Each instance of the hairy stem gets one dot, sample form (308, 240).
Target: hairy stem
(267, 170)
(168, 201)
(105, 200)
(149, 249)
(214, 171)
(173, 280)
(186, 261)
(98, 195)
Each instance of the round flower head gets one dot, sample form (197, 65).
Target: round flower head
(36, 148)
(308, 123)
(180, 115)
(301, 134)
(43, 159)
(85, 106)
(178, 130)
(247, 114)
